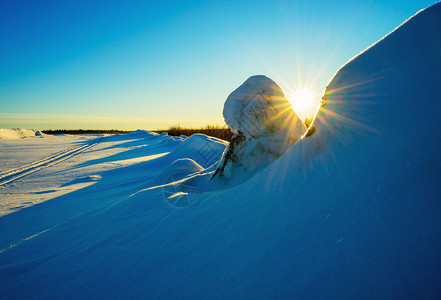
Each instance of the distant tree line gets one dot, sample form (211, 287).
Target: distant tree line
(221, 132)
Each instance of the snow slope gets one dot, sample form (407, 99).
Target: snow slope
(350, 212)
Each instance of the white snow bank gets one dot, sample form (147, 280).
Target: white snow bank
(18, 133)
(194, 159)
(392, 90)
(176, 193)
(179, 169)
(265, 126)
(204, 150)
(140, 132)
(171, 140)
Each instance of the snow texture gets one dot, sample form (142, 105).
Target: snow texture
(351, 212)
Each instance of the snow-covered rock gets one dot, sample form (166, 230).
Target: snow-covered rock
(264, 123)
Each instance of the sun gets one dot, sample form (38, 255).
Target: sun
(303, 102)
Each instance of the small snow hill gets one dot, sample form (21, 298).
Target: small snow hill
(18, 133)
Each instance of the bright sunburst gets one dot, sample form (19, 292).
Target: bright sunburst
(303, 102)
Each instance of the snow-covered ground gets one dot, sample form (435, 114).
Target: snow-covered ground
(352, 211)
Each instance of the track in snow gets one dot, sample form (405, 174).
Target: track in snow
(9, 176)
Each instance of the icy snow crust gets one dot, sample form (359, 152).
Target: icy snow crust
(351, 212)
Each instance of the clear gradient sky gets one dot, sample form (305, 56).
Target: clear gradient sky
(152, 64)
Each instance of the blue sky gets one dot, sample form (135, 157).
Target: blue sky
(152, 64)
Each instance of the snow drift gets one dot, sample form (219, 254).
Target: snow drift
(351, 212)
(203, 149)
(18, 133)
(194, 160)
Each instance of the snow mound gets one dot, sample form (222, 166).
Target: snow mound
(264, 123)
(194, 162)
(171, 140)
(18, 133)
(204, 150)
(392, 90)
(179, 169)
(140, 132)
(137, 134)
(176, 192)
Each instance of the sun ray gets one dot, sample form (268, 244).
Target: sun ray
(304, 102)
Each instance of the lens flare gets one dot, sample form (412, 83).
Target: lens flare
(304, 102)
